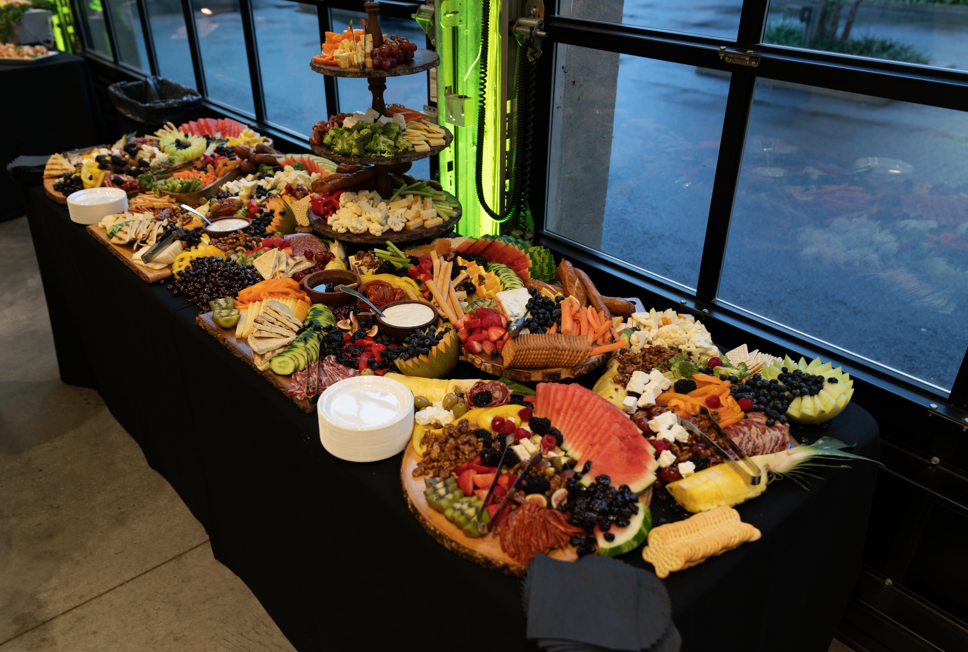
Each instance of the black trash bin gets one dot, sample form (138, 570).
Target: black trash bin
(144, 106)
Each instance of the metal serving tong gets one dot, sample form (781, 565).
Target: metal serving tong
(735, 457)
(484, 526)
(161, 245)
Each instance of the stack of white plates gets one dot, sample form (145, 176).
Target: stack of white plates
(365, 418)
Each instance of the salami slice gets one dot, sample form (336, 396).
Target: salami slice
(297, 385)
(312, 378)
(754, 437)
(500, 394)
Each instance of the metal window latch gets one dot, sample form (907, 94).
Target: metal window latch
(424, 15)
(529, 29)
(740, 58)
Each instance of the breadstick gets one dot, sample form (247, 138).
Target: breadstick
(440, 301)
(460, 278)
(436, 261)
(411, 294)
(454, 301)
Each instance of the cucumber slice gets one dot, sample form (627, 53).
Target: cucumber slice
(283, 365)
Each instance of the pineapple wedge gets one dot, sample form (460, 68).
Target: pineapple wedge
(715, 486)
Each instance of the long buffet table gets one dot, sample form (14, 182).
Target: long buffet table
(330, 548)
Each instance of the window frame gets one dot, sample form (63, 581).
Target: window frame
(910, 83)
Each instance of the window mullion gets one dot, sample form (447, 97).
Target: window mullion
(109, 28)
(252, 53)
(149, 37)
(752, 22)
(191, 31)
(739, 101)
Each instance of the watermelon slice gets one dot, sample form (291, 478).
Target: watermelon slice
(228, 127)
(313, 164)
(465, 245)
(490, 251)
(626, 539)
(622, 467)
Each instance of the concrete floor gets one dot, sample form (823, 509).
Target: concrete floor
(97, 552)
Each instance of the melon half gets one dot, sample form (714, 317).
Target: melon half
(826, 404)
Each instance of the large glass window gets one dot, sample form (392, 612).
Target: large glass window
(167, 22)
(633, 156)
(933, 32)
(126, 20)
(288, 37)
(224, 61)
(851, 225)
(718, 18)
(92, 13)
(410, 91)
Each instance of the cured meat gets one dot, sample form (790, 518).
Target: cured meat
(379, 293)
(297, 385)
(530, 529)
(754, 437)
(317, 377)
(500, 393)
(331, 372)
(312, 378)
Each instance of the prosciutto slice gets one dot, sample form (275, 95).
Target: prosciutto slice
(754, 437)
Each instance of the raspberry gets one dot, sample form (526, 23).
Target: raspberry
(520, 434)
(525, 414)
(712, 401)
(745, 404)
(508, 427)
(715, 362)
(497, 423)
(548, 442)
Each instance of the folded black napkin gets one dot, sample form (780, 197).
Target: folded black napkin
(596, 604)
(28, 164)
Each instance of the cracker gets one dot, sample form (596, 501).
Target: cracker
(681, 545)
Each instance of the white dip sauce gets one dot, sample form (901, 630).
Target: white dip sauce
(227, 225)
(365, 407)
(408, 314)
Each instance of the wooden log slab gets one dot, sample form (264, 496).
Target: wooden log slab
(325, 152)
(321, 227)
(59, 197)
(240, 349)
(124, 254)
(422, 61)
(485, 551)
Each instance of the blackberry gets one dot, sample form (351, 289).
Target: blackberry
(603, 480)
(559, 438)
(490, 457)
(511, 458)
(685, 386)
(482, 398)
(609, 537)
(536, 484)
(587, 467)
(700, 462)
(539, 425)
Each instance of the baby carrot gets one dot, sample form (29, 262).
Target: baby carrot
(566, 317)
(621, 344)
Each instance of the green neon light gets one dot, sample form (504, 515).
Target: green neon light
(458, 43)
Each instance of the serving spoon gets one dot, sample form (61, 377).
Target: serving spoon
(346, 290)
(195, 212)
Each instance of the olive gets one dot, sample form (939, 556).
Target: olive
(459, 409)
(450, 400)
(368, 372)
(421, 402)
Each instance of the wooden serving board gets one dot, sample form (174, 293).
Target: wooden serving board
(60, 198)
(124, 254)
(485, 551)
(422, 60)
(322, 228)
(326, 152)
(240, 349)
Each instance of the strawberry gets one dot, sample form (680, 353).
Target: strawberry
(473, 347)
(465, 481)
(494, 333)
(463, 334)
(478, 337)
(488, 347)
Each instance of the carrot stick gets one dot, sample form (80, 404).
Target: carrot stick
(566, 317)
(621, 344)
(601, 331)
(593, 320)
(583, 322)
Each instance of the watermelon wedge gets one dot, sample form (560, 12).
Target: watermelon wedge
(313, 164)
(622, 467)
(466, 245)
(227, 127)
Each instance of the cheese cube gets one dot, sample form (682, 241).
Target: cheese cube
(629, 404)
(681, 434)
(371, 115)
(344, 60)
(660, 380)
(686, 469)
(414, 224)
(398, 204)
(382, 120)
(369, 62)
(428, 215)
(637, 382)
(662, 422)
(350, 121)
(523, 454)
(647, 399)
(429, 224)
(428, 203)
(528, 446)
(414, 201)
(666, 458)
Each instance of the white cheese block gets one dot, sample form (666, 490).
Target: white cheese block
(512, 303)
(657, 377)
(662, 422)
(382, 120)
(666, 458)
(523, 454)
(372, 115)
(686, 469)
(647, 399)
(637, 382)
(681, 434)
(349, 121)
(528, 446)
(629, 404)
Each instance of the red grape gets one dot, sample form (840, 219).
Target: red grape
(384, 51)
(413, 47)
(377, 63)
(386, 64)
(394, 48)
(309, 255)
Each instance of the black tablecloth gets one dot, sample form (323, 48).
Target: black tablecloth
(48, 106)
(330, 548)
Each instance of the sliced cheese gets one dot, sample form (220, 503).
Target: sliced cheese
(421, 147)
(428, 203)
(400, 203)
(429, 224)
(428, 215)
(241, 325)
(436, 142)
(414, 224)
